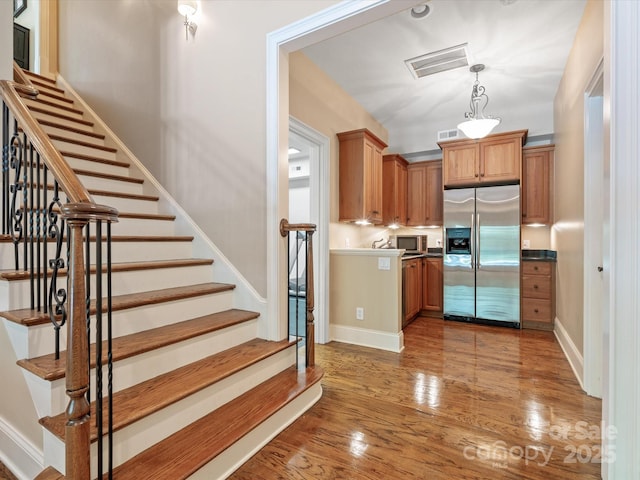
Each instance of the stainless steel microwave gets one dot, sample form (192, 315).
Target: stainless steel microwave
(411, 243)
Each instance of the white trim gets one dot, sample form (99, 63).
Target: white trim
(20, 456)
(621, 397)
(224, 271)
(570, 351)
(336, 19)
(393, 342)
(368, 252)
(320, 177)
(593, 301)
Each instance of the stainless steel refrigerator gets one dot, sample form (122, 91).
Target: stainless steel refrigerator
(482, 255)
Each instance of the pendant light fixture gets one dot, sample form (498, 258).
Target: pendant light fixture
(477, 125)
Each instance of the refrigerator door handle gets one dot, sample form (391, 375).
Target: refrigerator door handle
(472, 250)
(477, 240)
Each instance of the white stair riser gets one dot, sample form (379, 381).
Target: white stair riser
(141, 226)
(139, 251)
(131, 371)
(62, 121)
(127, 204)
(63, 146)
(97, 166)
(18, 292)
(98, 183)
(53, 109)
(51, 130)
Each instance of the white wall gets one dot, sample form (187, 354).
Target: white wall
(193, 111)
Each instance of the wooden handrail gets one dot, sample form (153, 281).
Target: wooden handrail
(62, 172)
(22, 82)
(286, 227)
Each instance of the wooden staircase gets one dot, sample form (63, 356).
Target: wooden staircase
(196, 392)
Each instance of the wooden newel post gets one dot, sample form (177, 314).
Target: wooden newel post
(311, 356)
(78, 445)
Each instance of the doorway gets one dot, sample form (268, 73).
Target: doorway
(596, 218)
(309, 202)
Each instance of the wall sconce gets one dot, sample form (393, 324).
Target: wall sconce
(188, 8)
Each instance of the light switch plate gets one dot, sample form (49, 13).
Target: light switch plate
(526, 244)
(384, 263)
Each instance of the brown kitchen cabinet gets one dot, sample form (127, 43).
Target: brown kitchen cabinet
(424, 193)
(394, 190)
(537, 184)
(360, 176)
(492, 160)
(538, 295)
(432, 284)
(411, 289)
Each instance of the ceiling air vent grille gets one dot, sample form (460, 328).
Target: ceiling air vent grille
(439, 61)
(444, 135)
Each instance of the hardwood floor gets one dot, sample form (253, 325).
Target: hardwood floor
(460, 402)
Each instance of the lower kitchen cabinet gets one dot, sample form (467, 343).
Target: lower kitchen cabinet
(411, 289)
(538, 295)
(432, 284)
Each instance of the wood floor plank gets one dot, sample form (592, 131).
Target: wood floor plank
(49, 473)
(461, 401)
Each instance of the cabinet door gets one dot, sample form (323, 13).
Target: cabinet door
(373, 182)
(416, 190)
(460, 165)
(433, 208)
(394, 190)
(536, 185)
(412, 288)
(500, 161)
(432, 284)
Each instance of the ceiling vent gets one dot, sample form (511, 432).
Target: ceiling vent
(439, 61)
(444, 135)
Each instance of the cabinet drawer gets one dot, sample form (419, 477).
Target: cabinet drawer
(536, 268)
(536, 310)
(536, 286)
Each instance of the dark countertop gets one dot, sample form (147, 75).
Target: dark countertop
(539, 255)
(431, 253)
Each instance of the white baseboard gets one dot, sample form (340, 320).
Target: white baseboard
(393, 342)
(570, 351)
(20, 456)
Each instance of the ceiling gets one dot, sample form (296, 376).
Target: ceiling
(524, 45)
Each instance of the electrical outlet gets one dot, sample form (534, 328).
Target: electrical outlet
(359, 313)
(384, 263)
(526, 244)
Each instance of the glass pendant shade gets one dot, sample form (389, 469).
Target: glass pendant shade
(478, 128)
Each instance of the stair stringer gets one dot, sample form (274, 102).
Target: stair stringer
(245, 295)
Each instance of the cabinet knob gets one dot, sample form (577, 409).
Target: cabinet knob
(536, 310)
(476, 174)
(482, 174)
(535, 286)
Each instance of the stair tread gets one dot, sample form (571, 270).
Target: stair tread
(150, 396)
(131, 238)
(49, 473)
(108, 176)
(184, 452)
(68, 128)
(39, 77)
(57, 96)
(133, 196)
(39, 83)
(60, 138)
(13, 275)
(29, 317)
(42, 101)
(69, 118)
(92, 158)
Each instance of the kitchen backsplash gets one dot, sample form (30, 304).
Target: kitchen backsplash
(342, 235)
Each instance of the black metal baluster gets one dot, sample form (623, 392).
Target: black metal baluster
(31, 212)
(87, 281)
(98, 409)
(5, 169)
(45, 252)
(109, 351)
(41, 275)
(57, 312)
(15, 214)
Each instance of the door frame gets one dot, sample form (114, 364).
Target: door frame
(593, 298)
(319, 175)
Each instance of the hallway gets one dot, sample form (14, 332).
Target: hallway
(461, 401)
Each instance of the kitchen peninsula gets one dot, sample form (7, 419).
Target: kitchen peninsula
(370, 314)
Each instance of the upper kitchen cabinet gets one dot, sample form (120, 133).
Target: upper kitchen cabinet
(493, 160)
(360, 176)
(394, 190)
(424, 194)
(537, 184)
